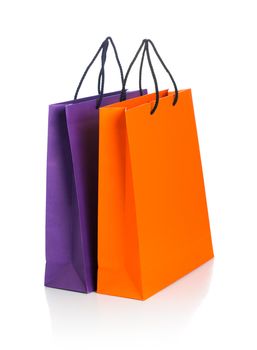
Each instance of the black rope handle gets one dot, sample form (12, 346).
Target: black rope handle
(154, 78)
(141, 70)
(87, 69)
(145, 46)
(103, 60)
(103, 48)
(118, 62)
(175, 100)
(101, 77)
(123, 90)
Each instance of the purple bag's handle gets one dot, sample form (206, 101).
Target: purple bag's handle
(102, 72)
(102, 48)
(101, 77)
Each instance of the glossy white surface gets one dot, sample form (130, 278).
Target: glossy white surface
(210, 47)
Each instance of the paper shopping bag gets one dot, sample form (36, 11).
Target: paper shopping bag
(71, 198)
(153, 225)
(71, 207)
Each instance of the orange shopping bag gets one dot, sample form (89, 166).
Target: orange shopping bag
(153, 225)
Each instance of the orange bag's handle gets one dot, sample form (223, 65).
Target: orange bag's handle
(145, 46)
(141, 70)
(123, 91)
(101, 77)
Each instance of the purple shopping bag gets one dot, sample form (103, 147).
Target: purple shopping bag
(71, 206)
(72, 186)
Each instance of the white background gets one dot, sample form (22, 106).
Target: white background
(209, 46)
